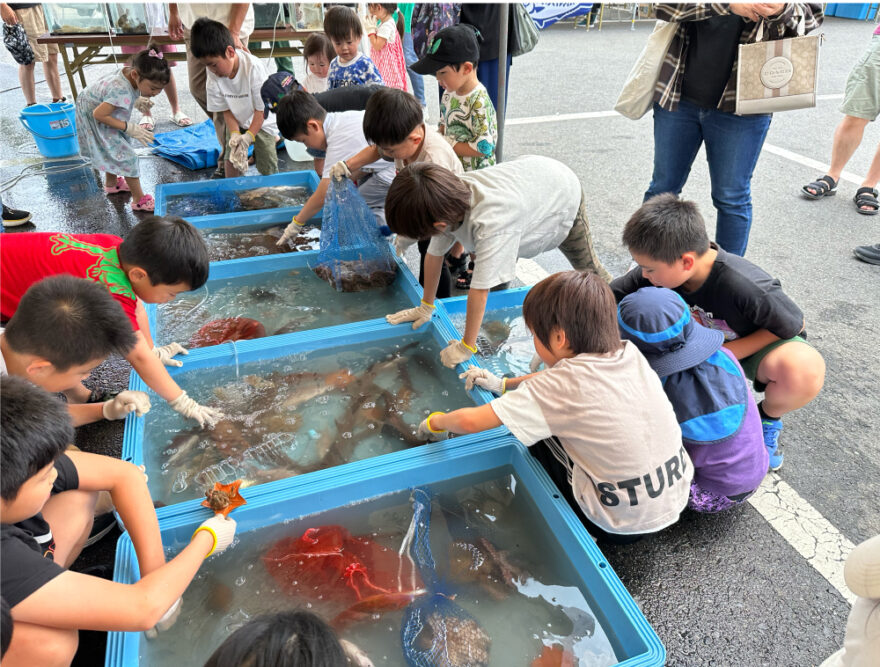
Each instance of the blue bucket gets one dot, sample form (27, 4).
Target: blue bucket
(53, 127)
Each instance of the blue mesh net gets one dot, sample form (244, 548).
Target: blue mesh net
(436, 632)
(354, 254)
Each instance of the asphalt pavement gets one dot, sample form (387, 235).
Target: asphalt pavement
(733, 589)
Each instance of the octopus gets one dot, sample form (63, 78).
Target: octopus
(466, 644)
(227, 329)
(357, 276)
(481, 563)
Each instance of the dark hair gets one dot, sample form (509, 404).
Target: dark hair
(151, 68)
(665, 227)
(318, 44)
(36, 429)
(391, 115)
(391, 8)
(422, 194)
(283, 639)
(295, 110)
(578, 302)
(5, 626)
(341, 23)
(209, 38)
(169, 249)
(69, 321)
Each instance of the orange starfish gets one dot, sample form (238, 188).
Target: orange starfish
(224, 498)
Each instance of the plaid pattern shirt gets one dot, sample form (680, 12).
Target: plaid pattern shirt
(667, 92)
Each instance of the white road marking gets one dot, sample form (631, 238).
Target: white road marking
(820, 167)
(560, 117)
(799, 523)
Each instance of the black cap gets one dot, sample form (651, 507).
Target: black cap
(275, 87)
(453, 45)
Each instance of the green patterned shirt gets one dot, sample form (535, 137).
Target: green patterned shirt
(470, 119)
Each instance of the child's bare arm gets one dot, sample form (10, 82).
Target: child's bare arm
(748, 345)
(465, 150)
(131, 498)
(314, 203)
(476, 308)
(79, 601)
(377, 42)
(102, 115)
(433, 269)
(85, 413)
(151, 370)
(231, 122)
(513, 383)
(140, 314)
(257, 122)
(367, 156)
(466, 420)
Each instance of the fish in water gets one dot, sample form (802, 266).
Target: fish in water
(370, 607)
(258, 243)
(357, 276)
(277, 196)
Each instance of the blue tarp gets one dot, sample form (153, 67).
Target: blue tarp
(194, 147)
(546, 14)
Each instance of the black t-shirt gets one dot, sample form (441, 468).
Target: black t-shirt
(738, 298)
(348, 98)
(23, 5)
(711, 52)
(487, 19)
(26, 548)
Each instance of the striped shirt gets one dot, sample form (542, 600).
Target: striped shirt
(667, 92)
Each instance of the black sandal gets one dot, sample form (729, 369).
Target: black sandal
(823, 187)
(457, 264)
(866, 197)
(463, 282)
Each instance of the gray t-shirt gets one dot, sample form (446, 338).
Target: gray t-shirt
(519, 209)
(630, 472)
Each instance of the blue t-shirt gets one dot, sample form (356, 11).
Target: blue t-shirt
(720, 424)
(359, 72)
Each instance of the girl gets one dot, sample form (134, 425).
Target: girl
(386, 47)
(318, 52)
(103, 111)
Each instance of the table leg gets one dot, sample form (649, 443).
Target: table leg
(79, 66)
(70, 79)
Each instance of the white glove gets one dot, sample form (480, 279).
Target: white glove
(483, 378)
(124, 402)
(204, 415)
(294, 228)
(238, 150)
(418, 315)
(456, 352)
(340, 171)
(223, 530)
(369, 24)
(402, 244)
(135, 131)
(429, 434)
(144, 104)
(166, 353)
(535, 363)
(168, 619)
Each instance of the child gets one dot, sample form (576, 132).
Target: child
(718, 416)
(616, 451)
(467, 117)
(318, 52)
(234, 79)
(41, 483)
(287, 639)
(395, 127)
(159, 258)
(349, 67)
(339, 135)
(63, 328)
(103, 112)
(762, 326)
(386, 48)
(520, 208)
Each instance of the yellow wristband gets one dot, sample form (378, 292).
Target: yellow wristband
(297, 222)
(472, 349)
(428, 422)
(213, 534)
(430, 305)
(503, 385)
(253, 138)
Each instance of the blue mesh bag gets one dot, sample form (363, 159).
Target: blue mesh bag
(436, 632)
(354, 255)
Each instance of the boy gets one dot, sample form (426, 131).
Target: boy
(234, 79)
(467, 116)
(350, 98)
(63, 328)
(159, 258)
(40, 482)
(301, 118)
(349, 67)
(395, 127)
(762, 327)
(611, 441)
(516, 209)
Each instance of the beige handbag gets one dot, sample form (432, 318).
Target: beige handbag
(637, 95)
(778, 75)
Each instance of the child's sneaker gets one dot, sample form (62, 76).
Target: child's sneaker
(772, 428)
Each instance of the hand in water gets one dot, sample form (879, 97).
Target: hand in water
(483, 378)
(166, 353)
(204, 415)
(418, 315)
(456, 352)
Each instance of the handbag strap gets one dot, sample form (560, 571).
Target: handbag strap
(801, 28)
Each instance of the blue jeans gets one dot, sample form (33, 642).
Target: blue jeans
(733, 144)
(487, 73)
(409, 54)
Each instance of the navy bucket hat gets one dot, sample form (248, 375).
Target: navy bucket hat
(659, 323)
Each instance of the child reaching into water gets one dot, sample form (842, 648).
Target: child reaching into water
(103, 117)
(386, 48)
(318, 53)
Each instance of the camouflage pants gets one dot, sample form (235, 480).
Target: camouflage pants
(578, 245)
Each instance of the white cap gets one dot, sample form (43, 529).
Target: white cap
(862, 569)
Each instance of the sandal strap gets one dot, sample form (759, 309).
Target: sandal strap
(822, 185)
(867, 192)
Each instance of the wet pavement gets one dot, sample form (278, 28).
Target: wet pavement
(719, 590)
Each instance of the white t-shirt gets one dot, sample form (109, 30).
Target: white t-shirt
(190, 11)
(519, 208)
(241, 94)
(315, 84)
(436, 150)
(344, 132)
(387, 29)
(630, 473)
